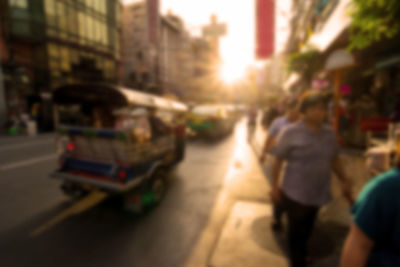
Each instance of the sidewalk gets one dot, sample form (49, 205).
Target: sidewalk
(244, 181)
(354, 167)
(239, 234)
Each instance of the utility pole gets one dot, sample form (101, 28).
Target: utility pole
(3, 109)
(2, 97)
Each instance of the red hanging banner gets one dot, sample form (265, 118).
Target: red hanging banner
(265, 28)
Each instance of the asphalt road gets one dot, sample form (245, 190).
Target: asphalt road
(103, 236)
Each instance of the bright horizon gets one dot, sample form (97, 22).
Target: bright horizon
(237, 47)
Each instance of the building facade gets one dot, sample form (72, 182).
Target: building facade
(366, 80)
(175, 63)
(53, 42)
(140, 23)
(213, 32)
(3, 110)
(160, 56)
(204, 72)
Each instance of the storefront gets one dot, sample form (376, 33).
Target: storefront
(48, 43)
(370, 94)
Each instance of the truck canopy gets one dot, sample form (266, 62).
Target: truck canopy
(112, 95)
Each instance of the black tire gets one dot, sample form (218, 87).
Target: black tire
(154, 189)
(149, 194)
(158, 189)
(73, 190)
(158, 184)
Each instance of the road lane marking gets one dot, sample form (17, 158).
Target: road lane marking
(84, 204)
(18, 146)
(27, 162)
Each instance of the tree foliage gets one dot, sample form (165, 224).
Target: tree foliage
(372, 21)
(305, 63)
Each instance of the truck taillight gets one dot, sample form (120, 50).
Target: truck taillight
(71, 147)
(122, 175)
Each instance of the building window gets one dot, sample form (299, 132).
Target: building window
(89, 3)
(320, 6)
(53, 64)
(51, 14)
(103, 7)
(97, 31)
(117, 13)
(62, 18)
(104, 35)
(82, 27)
(65, 59)
(74, 56)
(19, 3)
(73, 22)
(97, 6)
(53, 51)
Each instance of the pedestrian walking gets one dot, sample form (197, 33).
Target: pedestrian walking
(290, 116)
(310, 149)
(374, 237)
(251, 122)
(270, 115)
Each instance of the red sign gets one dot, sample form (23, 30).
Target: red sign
(3, 47)
(265, 28)
(152, 20)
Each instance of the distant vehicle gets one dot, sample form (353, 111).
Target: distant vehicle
(211, 121)
(234, 111)
(118, 141)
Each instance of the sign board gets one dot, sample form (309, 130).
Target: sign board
(214, 30)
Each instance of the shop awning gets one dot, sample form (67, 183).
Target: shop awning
(388, 62)
(112, 95)
(339, 59)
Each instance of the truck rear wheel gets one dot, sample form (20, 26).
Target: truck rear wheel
(155, 188)
(158, 188)
(149, 195)
(73, 190)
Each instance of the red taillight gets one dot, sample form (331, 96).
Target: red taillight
(71, 147)
(122, 175)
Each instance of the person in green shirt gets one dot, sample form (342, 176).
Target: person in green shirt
(374, 237)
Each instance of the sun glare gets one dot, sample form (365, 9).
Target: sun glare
(236, 57)
(231, 72)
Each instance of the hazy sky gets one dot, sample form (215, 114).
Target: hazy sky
(237, 48)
